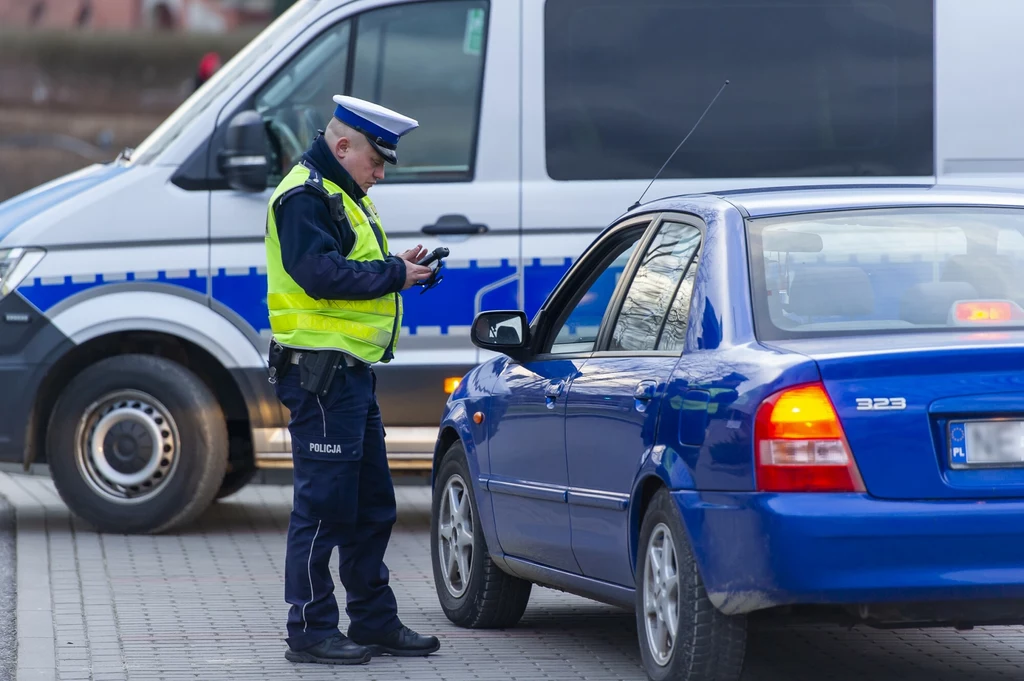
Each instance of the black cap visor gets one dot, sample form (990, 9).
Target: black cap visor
(389, 155)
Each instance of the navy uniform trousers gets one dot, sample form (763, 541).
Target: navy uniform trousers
(343, 497)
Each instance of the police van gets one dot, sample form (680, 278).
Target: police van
(133, 319)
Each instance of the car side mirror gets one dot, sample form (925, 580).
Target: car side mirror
(243, 161)
(506, 331)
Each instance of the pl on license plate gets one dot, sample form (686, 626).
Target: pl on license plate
(986, 443)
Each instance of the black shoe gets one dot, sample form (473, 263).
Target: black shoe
(402, 642)
(335, 649)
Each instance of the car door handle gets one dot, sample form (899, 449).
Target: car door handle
(643, 394)
(552, 392)
(453, 225)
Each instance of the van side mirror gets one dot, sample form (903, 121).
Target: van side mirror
(504, 331)
(243, 161)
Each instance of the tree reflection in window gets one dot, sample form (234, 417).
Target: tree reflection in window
(654, 288)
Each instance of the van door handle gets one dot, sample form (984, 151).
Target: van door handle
(453, 225)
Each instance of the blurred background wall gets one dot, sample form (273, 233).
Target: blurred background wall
(82, 79)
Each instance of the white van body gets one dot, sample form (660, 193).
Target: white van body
(541, 122)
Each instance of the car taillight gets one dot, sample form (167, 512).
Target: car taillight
(800, 445)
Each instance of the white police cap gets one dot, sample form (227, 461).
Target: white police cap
(382, 127)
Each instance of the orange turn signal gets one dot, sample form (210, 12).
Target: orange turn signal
(803, 413)
(800, 445)
(451, 384)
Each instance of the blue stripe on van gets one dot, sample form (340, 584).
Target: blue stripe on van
(450, 304)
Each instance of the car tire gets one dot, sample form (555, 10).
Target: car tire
(137, 444)
(490, 598)
(708, 646)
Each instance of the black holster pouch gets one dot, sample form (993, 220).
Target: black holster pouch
(317, 370)
(278, 360)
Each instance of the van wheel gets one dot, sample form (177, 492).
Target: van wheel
(473, 591)
(682, 635)
(137, 444)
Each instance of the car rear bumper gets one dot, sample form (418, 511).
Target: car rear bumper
(757, 551)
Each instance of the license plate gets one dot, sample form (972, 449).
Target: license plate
(986, 444)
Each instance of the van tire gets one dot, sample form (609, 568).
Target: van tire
(709, 645)
(235, 480)
(137, 444)
(492, 598)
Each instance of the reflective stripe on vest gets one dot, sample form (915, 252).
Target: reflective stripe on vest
(300, 301)
(306, 321)
(367, 329)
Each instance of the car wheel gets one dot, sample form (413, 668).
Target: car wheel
(137, 444)
(473, 591)
(682, 635)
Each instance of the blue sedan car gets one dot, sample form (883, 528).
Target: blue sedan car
(803, 400)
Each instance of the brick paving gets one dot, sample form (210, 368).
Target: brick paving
(207, 603)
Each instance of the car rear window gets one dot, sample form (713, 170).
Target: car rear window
(886, 271)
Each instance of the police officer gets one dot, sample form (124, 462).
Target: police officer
(335, 309)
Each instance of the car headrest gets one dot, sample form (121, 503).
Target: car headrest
(929, 303)
(993, 276)
(831, 292)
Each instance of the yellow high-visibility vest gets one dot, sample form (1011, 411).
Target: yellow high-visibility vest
(366, 329)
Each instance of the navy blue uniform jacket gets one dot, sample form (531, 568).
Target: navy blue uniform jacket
(311, 243)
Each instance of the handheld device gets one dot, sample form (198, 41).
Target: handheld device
(437, 255)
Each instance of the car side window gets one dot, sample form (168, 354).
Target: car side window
(673, 334)
(578, 333)
(424, 60)
(649, 299)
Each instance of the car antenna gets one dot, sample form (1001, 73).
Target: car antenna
(681, 144)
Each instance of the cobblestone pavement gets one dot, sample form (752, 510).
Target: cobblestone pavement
(207, 603)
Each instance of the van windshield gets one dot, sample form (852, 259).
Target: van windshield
(887, 271)
(203, 97)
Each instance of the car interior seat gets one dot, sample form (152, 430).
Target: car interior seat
(929, 302)
(992, 276)
(831, 292)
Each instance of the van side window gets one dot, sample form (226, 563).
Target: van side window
(296, 102)
(825, 89)
(424, 60)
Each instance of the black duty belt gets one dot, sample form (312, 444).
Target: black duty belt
(351, 361)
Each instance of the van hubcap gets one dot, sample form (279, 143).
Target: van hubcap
(127, 446)
(455, 536)
(661, 595)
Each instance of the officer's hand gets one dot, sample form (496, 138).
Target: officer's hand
(414, 274)
(414, 254)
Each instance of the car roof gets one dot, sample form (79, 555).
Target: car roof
(770, 201)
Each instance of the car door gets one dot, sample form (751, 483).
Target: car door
(456, 182)
(613, 403)
(528, 475)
